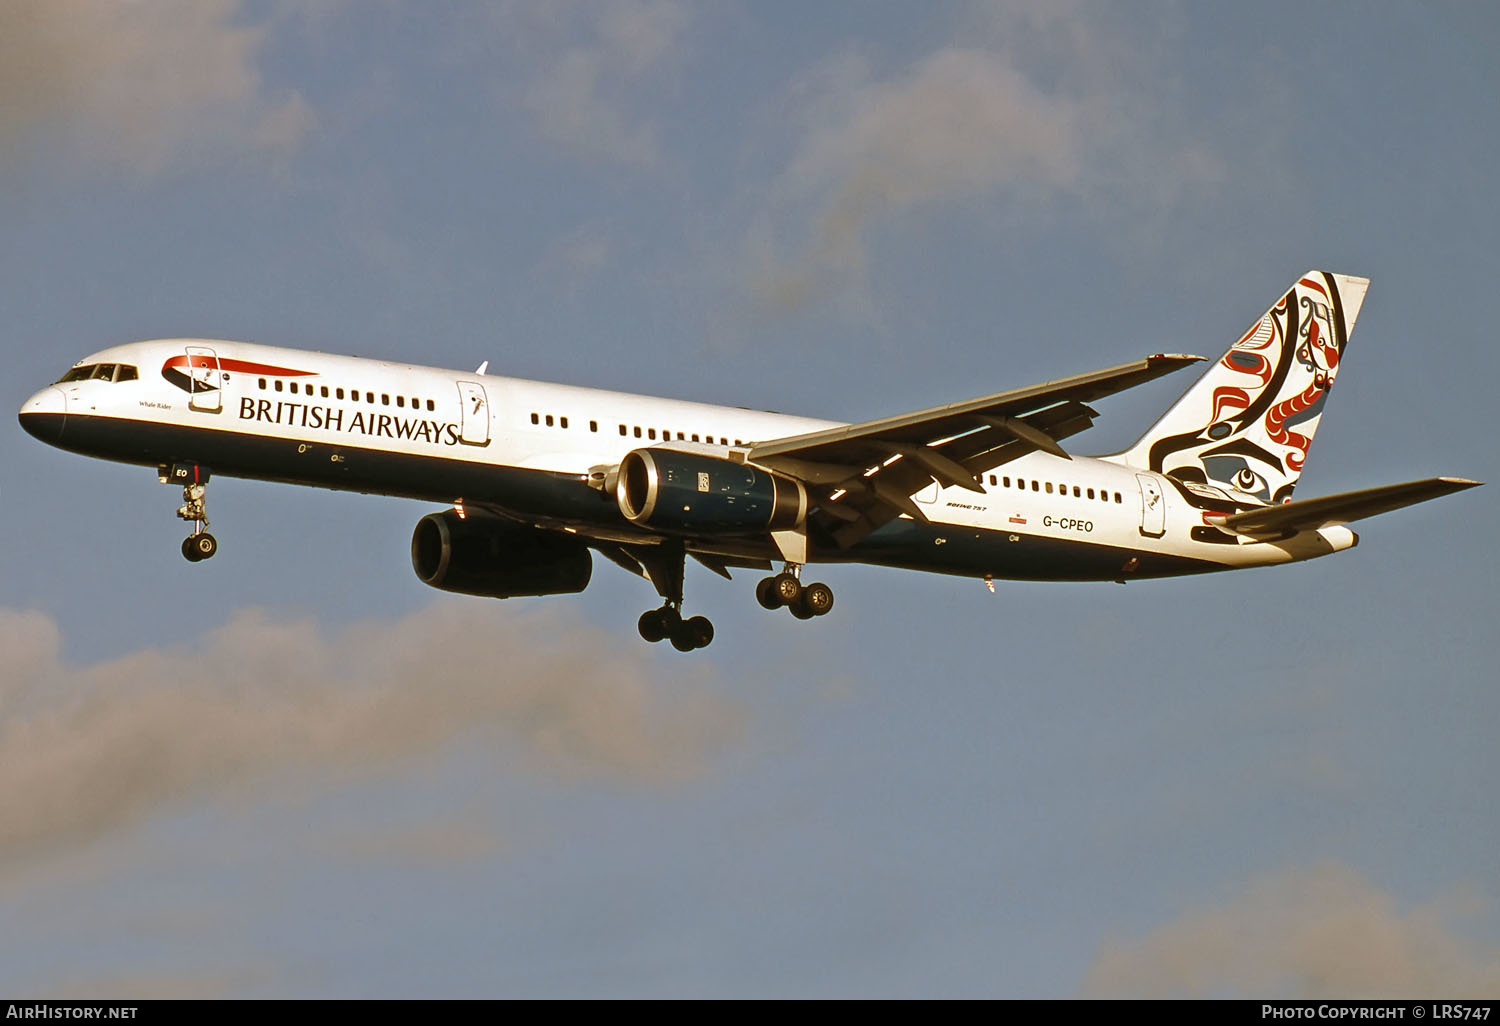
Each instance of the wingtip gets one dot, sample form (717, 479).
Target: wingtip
(1460, 483)
(1182, 358)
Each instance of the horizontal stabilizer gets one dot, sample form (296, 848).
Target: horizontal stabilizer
(1311, 514)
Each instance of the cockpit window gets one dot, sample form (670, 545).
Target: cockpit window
(101, 372)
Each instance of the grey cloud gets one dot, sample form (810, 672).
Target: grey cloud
(89, 750)
(1030, 109)
(144, 85)
(585, 62)
(1323, 932)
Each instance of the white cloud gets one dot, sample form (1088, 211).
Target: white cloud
(144, 85)
(85, 751)
(1324, 932)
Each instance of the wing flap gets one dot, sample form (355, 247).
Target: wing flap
(1311, 514)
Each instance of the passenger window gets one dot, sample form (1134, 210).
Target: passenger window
(430, 406)
(549, 420)
(563, 421)
(1076, 493)
(385, 400)
(535, 419)
(622, 430)
(637, 431)
(651, 433)
(279, 385)
(324, 391)
(1117, 497)
(1091, 493)
(293, 387)
(339, 392)
(1036, 486)
(695, 438)
(1049, 487)
(1006, 481)
(401, 401)
(262, 384)
(993, 482)
(593, 425)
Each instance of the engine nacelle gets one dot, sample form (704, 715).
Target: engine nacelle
(696, 494)
(480, 555)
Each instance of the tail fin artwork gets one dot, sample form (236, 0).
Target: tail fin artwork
(1248, 423)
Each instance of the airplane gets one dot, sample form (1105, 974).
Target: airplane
(538, 477)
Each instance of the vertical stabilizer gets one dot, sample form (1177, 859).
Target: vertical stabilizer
(1248, 423)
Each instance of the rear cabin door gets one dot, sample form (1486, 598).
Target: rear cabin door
(474, 418)
(1153, 507)
(206, 380)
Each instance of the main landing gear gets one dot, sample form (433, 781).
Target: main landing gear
(685, 633)
(199, 545)
(786, 589)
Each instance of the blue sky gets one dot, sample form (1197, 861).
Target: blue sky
(296, 771)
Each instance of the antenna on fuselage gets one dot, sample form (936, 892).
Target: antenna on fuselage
(483, 367)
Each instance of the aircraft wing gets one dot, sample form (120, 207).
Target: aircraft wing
(1311, 514)
(863, 475)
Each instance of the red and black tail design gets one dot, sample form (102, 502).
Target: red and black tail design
(1247, 424)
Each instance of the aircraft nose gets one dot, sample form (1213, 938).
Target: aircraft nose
(44, 414)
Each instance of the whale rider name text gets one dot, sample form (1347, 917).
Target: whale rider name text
(360, 422)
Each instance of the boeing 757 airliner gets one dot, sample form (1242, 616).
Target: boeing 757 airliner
(538, 477)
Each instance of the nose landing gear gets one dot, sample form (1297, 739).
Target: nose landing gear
(200, 545)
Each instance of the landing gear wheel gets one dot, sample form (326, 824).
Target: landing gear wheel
(190, 551)
(786, 588)
(204, 546)
(817, 599)
(766, 595)
(692, 633)
(655, 624)
(701, 630)
(800, 611)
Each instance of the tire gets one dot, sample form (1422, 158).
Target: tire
(700, 630)
(205, 545)
(682, 636)
(799, 609)
(652, 625)
(190, 551)
(786, 588)
(818, 598)
(765, 593)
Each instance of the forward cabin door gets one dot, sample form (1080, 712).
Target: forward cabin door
(1153, 507)
(206, 380)
(474, 416)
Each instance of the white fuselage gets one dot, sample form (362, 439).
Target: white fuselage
(530, 448)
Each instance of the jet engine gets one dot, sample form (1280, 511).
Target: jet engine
(692, 493)
(482, 555)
